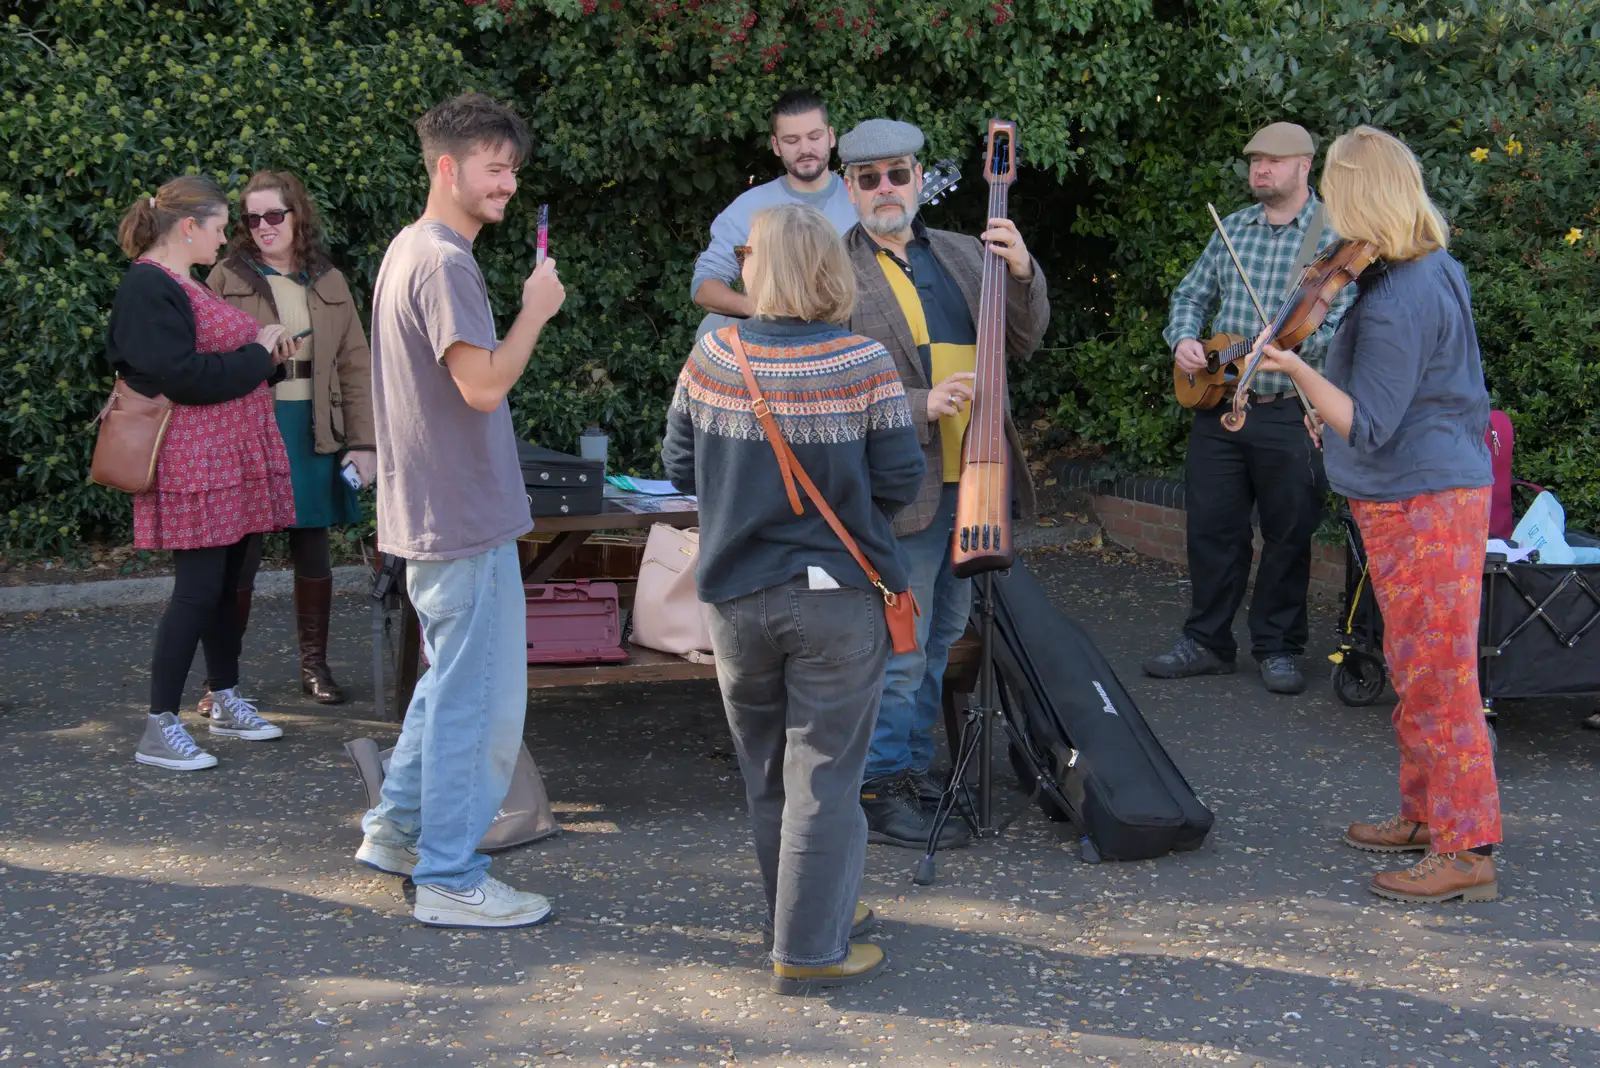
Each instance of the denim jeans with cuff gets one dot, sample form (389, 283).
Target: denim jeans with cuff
(913, 685)
(452, 766)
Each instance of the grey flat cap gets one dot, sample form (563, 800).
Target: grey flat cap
(878, 139)
(1281, 139)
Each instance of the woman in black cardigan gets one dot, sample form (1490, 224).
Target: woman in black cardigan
(222, 474)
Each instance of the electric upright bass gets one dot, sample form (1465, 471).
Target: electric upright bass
(982, 540)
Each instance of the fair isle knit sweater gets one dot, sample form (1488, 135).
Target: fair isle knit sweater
(838, 401)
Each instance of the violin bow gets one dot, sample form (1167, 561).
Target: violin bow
(1250, 289)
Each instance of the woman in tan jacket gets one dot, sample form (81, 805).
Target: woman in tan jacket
(278, 271)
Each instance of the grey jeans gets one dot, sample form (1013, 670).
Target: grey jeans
(801, 673)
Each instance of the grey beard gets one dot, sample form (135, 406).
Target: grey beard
(885, 227)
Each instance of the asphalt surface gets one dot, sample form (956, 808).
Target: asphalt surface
(216, 918)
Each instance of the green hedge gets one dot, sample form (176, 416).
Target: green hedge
(650, 115)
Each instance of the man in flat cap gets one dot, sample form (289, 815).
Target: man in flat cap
(1270, 465)
(917, 294)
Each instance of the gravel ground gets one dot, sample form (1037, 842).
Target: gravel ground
(216, 918)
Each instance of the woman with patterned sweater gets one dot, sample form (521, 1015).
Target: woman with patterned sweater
(797, 628)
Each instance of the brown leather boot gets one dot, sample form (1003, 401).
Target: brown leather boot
(1440, 877)
(242, 614)
(313, 598)
(1395, 835)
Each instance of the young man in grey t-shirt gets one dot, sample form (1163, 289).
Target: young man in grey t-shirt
(451, 503)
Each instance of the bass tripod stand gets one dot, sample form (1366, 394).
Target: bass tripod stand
(977, 740)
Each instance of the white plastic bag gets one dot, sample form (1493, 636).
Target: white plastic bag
(1544, 527)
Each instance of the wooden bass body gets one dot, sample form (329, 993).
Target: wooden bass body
(982, 539)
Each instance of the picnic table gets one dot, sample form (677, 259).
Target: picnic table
(397, 638)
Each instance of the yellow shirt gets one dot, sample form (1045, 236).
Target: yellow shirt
(943, 359)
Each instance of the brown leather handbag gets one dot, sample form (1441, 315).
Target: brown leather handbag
(132, 428)
(900, 610)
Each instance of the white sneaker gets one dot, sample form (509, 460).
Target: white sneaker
(235, 717)
(167, 745)
(393, 860)
(489, 904)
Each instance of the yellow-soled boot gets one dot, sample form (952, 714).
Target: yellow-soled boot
(865, 961)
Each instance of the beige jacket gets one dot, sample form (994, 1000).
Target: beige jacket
(341, 371)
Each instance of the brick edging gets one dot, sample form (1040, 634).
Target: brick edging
(1149, 516)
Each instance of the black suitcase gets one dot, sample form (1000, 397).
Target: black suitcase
(559, 484)
(1107, 772)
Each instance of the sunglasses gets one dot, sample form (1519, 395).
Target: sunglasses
(741, 253)
(274, 217)
(870, 180)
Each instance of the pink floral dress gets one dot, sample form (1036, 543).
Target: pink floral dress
(223, 472)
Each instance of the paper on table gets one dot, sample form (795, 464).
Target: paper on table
(652, 487)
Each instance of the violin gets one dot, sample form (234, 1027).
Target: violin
(1303, 311)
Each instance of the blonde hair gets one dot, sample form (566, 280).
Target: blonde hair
(799, 267)
(189, 196)
(1372, 185)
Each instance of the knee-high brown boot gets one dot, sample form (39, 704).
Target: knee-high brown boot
(313, 598)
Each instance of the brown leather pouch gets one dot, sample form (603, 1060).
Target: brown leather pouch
(132, 428)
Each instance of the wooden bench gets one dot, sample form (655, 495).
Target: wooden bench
(554, 543)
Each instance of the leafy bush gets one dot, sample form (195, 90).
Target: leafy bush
(649, 116)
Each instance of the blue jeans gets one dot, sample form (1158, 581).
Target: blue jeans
(913, 684)
(452, 765)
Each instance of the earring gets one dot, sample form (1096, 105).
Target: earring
(188, 240)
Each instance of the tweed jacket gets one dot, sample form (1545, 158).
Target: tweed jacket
(877, 315)
(341, 363)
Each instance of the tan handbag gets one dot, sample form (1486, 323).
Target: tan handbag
(900, 610)
(132, 428)
(667, 613)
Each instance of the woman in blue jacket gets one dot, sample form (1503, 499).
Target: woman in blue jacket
(1405, 400)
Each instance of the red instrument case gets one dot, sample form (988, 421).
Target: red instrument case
(574, 623)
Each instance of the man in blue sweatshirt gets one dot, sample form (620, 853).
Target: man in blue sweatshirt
(803, 140)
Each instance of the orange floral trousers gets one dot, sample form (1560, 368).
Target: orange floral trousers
(1425, 557)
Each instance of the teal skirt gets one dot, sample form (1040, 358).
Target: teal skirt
(321, 498)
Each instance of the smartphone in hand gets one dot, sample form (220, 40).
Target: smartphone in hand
(542, 249)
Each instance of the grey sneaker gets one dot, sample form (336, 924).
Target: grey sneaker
(394, 860)
(167, 745)
(1186, 660)
(235, 717)
(489, 904)
(1280, 674)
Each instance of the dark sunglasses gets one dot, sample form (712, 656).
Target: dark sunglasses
(741, 253)
(870, 180)
(274, 217)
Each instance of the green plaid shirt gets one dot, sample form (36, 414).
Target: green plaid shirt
(1212, 292)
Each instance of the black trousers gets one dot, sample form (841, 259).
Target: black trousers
(1271, 465)
(202, 612)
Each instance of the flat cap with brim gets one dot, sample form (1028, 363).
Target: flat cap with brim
(878, 139)
(1281, 139)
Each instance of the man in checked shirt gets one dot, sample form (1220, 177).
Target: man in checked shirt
(1271, 464)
